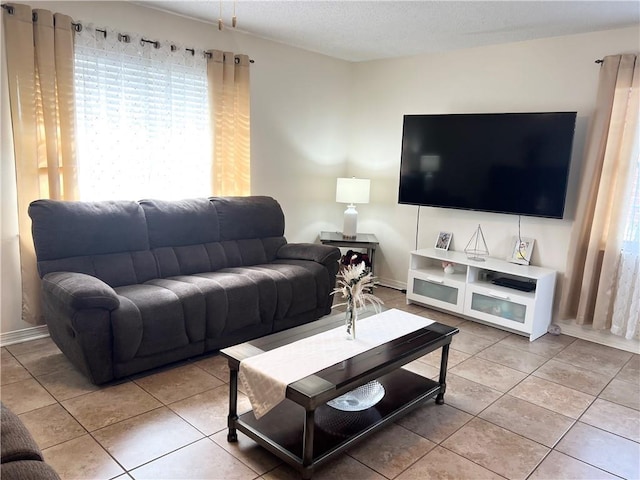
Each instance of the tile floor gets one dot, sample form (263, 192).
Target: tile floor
(555, 408)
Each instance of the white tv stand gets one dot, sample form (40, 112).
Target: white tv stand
(469, 292)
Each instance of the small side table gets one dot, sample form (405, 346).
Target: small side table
(365, 241)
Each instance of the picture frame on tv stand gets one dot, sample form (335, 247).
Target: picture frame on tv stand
(521, 250)
(443, 241)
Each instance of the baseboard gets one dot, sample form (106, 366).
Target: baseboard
(385, 282)
(603, 337)
(24, 335)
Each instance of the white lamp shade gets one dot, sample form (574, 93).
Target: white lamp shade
(352, 190)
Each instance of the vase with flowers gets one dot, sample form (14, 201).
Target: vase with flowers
(355, 284)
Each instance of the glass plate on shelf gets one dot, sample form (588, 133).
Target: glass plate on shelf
(360, 398)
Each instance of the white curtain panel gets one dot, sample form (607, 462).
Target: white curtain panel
(143, 119)
(626, 307)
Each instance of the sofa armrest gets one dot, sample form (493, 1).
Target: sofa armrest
(80, 291)
(324, 254)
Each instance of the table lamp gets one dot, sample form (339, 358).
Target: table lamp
(351, 191)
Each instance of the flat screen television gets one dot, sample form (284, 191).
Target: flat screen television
(515, 163)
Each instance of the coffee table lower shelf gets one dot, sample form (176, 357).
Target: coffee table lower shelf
(281, 431)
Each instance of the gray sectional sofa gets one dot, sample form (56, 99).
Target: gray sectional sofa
(129, 286)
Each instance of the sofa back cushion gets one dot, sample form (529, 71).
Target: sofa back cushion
(248, 217)
(106, 239)
(182, 222)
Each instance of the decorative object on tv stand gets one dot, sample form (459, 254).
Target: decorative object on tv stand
(448, 267)
(521, 250)
(352, 191)
(354, 284)
(477, 249)
(444, 240)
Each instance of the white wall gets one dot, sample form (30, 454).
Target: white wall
(299, 109)
(313, 115)
(554, 74)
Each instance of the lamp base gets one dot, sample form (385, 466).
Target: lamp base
(350, 226)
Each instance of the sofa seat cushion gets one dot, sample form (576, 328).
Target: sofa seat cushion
(310, 284)
(233, 302)
(155, 317)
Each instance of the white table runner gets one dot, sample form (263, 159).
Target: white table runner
(266, 376)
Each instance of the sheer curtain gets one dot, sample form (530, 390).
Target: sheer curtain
(228, 76)
(39, 49)
(596, 289)
(143, 119)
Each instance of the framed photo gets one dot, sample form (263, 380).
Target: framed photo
(521, 250)
(444, 240)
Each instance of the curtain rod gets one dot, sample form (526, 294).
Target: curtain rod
(122, 37)
(599, 61)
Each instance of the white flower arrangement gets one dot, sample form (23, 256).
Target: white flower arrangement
(354, 284)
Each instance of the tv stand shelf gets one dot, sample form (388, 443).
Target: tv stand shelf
(469, 290)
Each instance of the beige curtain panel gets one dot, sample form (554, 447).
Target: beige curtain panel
(597, 236)
(228, 78)
(39, 49)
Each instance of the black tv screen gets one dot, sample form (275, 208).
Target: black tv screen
(514, 163)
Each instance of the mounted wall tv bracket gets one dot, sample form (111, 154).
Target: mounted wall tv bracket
(477, 249)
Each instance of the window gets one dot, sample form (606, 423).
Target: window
(142, 119)
(631, 243)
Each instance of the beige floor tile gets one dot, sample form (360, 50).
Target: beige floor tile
(247, 451)
(422, 368)
(631, 371)
(32, 346)
(399, 303)
(529, 420)
(342, 467)
(547, 345)
(441, 463)
(110, 405)
(562, 400)
(202, 459)
(484, 331)
(440, 317)
(392, 450)
(386, 293)
(623, 393)
(208, 411)
(25, 395)
(560, 466)
(601, 449)
(66, 384)
(146, 437)
(215, 365)
(42, 361)
(488, 373)
(599, 358)
(11, 371)
(51, 425)
(469, 396)
(510, 357)
(435, 422)
(469, 343)
(496, 449)
(613, 418)
(578, 378)
(455, 357)
(178, 383)
(82, 459)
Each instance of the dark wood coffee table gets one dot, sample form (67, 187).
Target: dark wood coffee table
(305, 432)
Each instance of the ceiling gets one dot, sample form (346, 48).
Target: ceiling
(369, 30)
